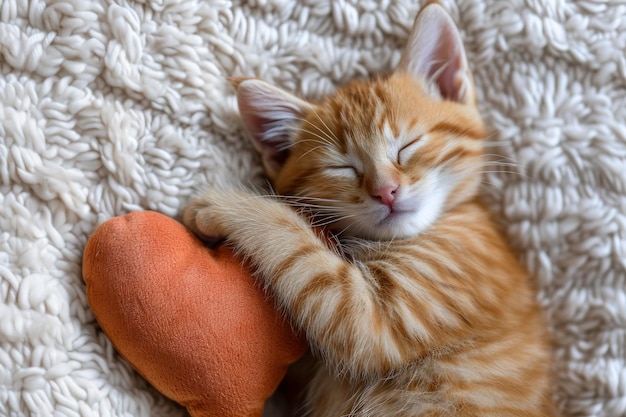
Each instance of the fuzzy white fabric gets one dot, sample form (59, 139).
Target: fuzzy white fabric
(111, 106)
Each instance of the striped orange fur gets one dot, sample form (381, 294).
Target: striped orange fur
(420, 308)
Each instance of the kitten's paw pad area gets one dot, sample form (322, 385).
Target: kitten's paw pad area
(200, 219)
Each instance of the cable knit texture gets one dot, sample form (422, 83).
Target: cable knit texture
(112, 106)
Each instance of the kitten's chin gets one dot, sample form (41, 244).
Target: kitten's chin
(404, 225)
(391, 226)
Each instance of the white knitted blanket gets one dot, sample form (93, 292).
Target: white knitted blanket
(110, 106)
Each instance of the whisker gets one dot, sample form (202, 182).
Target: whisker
(310, 150)
(342, 231)
(495, 143)
(314, 202)
(332, 139)
(496, 163)
(517, 173)
(330, 220)
(321, 141)
(495, 155)
(312, 198)
(291, 145)
(329, 131)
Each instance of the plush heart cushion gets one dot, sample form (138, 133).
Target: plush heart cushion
(187, 318)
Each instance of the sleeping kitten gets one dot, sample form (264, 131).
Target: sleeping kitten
(421, 309)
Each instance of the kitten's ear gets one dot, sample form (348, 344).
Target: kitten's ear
(270, 115)
(435, 51)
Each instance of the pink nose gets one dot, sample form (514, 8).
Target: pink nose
(386, 195)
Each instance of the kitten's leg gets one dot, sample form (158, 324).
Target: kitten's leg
(352, 314)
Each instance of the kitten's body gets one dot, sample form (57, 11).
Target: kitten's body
(487, 354)
(428, 313)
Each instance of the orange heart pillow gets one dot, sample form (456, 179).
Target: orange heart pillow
(187, 318)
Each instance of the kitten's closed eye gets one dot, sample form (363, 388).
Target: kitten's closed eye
(407, 151)
(345, 171)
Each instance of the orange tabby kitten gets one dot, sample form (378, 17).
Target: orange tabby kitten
(422, 309)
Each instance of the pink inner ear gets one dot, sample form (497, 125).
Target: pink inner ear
(270, 116)
(274, 148)
(435, 51)
(448, 80)
(259, 125)
(446, 61)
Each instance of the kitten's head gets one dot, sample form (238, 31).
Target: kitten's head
(379, 159)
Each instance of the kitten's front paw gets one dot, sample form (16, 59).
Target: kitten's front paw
(201, 218)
